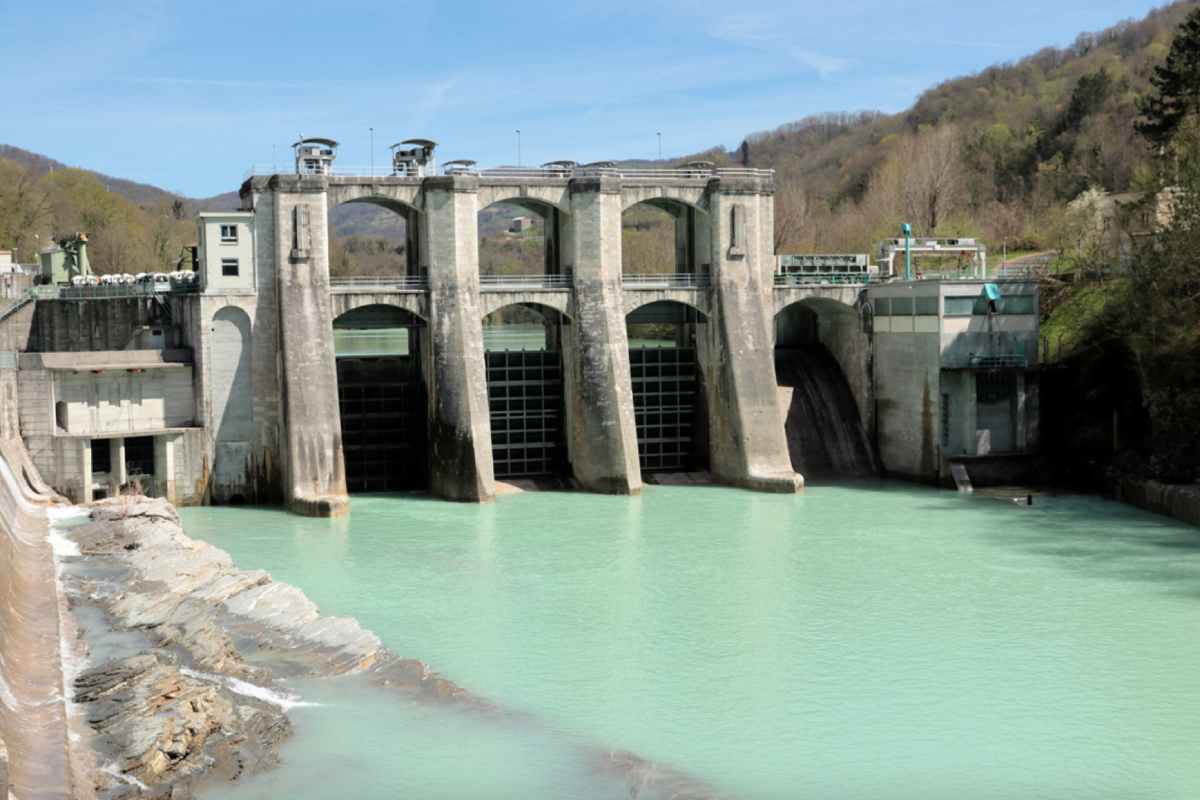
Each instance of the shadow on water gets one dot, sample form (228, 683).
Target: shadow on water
(1100, 538)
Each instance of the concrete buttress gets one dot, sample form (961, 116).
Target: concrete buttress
(459, 425)
(316, 479)
(603, 434)
(748, 445)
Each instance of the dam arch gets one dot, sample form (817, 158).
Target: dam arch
(666, 340)
(523, 353)
(530, 243)
(381, 356)
(822, 356)
(379, 244)
(664, 235)
(232, 377)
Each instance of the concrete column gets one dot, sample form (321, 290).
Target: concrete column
(315, 481)
(602, 440)
(85, 470)
(164, 466)
(460, 431)
(747, 442)
(120, 470)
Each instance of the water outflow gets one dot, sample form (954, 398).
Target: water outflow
(825, 435)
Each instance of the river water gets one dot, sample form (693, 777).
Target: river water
(856, 641)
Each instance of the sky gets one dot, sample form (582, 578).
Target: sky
(188, 96)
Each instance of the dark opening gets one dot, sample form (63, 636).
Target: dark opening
(381, 398)
(139, 458)
(101, 455)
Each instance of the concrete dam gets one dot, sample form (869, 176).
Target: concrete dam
(266, 380)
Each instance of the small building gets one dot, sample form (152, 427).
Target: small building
(520, 224)
(955, 377)
(6, 260)
(95, 421)
(416, 161)
(315, 156)
(225, 251)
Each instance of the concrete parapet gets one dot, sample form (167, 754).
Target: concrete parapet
(459, 425)
(602, 440)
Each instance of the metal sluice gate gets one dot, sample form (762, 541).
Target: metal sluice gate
(525, 400)
(665, 387)
(382, 403)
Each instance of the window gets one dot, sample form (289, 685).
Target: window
(229, 234)
(229, 267)
(1017, 304)
(902, 306)
(101, 455)
(883, 307)
(960, 306)
(926, 306)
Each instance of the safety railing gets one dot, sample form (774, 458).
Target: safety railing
(118, 290)
(367, 283)
(790, 279)
(506, 283)
(520, 173)
(533, 173)
(668, 280)
(1010, 360)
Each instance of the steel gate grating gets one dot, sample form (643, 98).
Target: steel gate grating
(525, 401)
(382, 404)
(664, 406)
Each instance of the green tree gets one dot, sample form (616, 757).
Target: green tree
(1176, 86)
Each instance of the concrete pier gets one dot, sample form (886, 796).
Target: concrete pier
(459, 426)
(748, 447)
(316, 480)
(603, 439)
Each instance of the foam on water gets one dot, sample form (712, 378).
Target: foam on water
(284, 700)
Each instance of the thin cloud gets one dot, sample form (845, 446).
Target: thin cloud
(748, 29)
(824, 65)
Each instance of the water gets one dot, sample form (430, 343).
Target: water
(870, 641)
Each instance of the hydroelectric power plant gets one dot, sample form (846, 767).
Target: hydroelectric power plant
(263, 380)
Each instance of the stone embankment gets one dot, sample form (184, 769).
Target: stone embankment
(1175, 500)
(179, 661)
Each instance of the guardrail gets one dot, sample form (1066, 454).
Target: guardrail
(790, 279)
(1016, 360)
(674, 280)
(505, 283)
(112, 291)
(364, 283)
(534, 173)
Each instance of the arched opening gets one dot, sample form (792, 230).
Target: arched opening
(824, 430)
(373, 238)
(233, 402)
(518, 238)
(663, 237)
(668, 396)
(381, 397)
(523, 349)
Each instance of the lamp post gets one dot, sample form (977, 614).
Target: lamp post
(660, 145)
(372, 130)
(518, 147)
(906, 229)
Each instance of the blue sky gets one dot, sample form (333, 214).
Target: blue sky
(188, 95)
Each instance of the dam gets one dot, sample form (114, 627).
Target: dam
(263, 380)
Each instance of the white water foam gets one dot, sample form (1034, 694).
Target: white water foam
(111, 769)
(284, 700)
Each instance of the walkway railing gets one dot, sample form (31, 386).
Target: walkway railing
(508, 283)
(372, 283)
(791, 279)
(676, 280)
(535, 173)
(113, 291)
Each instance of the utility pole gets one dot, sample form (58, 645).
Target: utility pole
(518, 147)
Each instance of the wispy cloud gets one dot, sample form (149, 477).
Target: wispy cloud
(748, 29)
(824, 65)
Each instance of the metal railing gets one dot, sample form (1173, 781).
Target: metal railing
(110, 291)
(519, 173)
(674, 280)
(1016, 360)
(534, 173)
(365, 283)
(504, 283)
(790, 279)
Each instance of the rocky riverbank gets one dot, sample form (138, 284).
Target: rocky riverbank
(180, 661)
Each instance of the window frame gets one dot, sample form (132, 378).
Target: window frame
(225, 238)
(225, 265)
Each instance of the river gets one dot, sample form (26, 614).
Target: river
(872, 640)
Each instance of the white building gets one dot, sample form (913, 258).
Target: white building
(225, 251)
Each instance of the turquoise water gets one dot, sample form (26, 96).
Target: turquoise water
(873, 641)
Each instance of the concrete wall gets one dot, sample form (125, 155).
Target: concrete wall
(907, 388)
(211, 251)
(108, 324)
